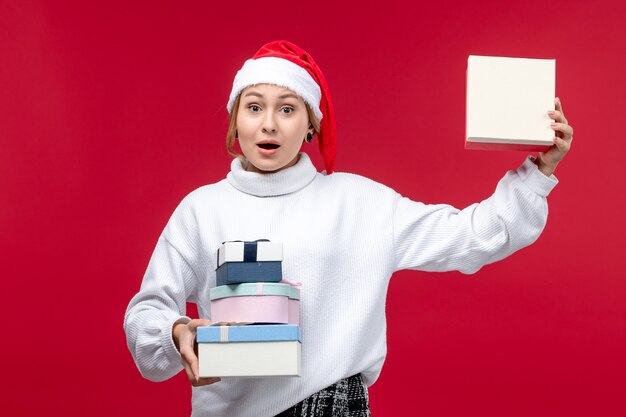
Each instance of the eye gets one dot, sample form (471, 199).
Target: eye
(254, 108)
(287, 110)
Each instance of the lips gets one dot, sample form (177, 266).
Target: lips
(268, 146)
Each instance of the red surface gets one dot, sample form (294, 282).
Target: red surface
(487, 146)
(111, 112)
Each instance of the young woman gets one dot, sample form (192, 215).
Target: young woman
(343, 237)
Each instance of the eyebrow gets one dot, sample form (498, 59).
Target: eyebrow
(283, 96)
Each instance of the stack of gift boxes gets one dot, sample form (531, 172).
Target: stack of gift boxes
(255, 315)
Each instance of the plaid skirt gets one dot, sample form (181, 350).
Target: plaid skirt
(347, 397)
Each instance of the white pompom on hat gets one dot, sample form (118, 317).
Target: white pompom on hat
(284, 64)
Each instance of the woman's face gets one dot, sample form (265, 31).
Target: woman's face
(271, 122)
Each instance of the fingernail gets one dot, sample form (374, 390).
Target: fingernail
(553, 124)
(551, 112)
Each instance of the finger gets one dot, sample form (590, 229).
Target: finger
(556, 115)
(188, 352)
(559, 105)
(188, 355)
(562, 145)
(193, 374)
(569, 132)
(192, 360)
(205, 381)
(194, 324)
(189, 372)
(566, 130)
(184, 359)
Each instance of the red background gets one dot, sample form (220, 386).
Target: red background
(111, 112)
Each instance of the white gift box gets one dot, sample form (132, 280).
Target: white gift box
(258, 251)
(507, 103)
(249, 351)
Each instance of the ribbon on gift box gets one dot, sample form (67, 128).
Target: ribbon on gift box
(295, 286)
(223, 333)
(250, 249)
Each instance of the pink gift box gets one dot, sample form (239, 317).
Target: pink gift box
(255, 303)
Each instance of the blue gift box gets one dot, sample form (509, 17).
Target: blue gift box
(256, 333)
(239, 272)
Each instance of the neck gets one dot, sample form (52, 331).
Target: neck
(286, 180)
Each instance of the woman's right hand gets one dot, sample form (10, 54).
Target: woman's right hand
(184, 336)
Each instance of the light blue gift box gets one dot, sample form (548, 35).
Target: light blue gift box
(255, 333)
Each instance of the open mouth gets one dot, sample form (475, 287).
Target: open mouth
(268, 146)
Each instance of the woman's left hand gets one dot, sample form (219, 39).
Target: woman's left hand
(547, 161)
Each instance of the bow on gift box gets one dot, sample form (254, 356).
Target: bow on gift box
(260, 285)
(292, 283)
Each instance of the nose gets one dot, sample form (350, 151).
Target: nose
(269, 124)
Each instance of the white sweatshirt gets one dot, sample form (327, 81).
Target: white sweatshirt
(343, 237)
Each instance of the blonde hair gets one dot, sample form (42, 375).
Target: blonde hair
(232, 126)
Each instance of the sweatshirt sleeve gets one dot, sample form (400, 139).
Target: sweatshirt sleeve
(443, 238)
(151, 314)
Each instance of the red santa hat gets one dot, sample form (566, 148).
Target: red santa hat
(284, 64)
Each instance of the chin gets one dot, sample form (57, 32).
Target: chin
(267, 165)
(267, 168)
